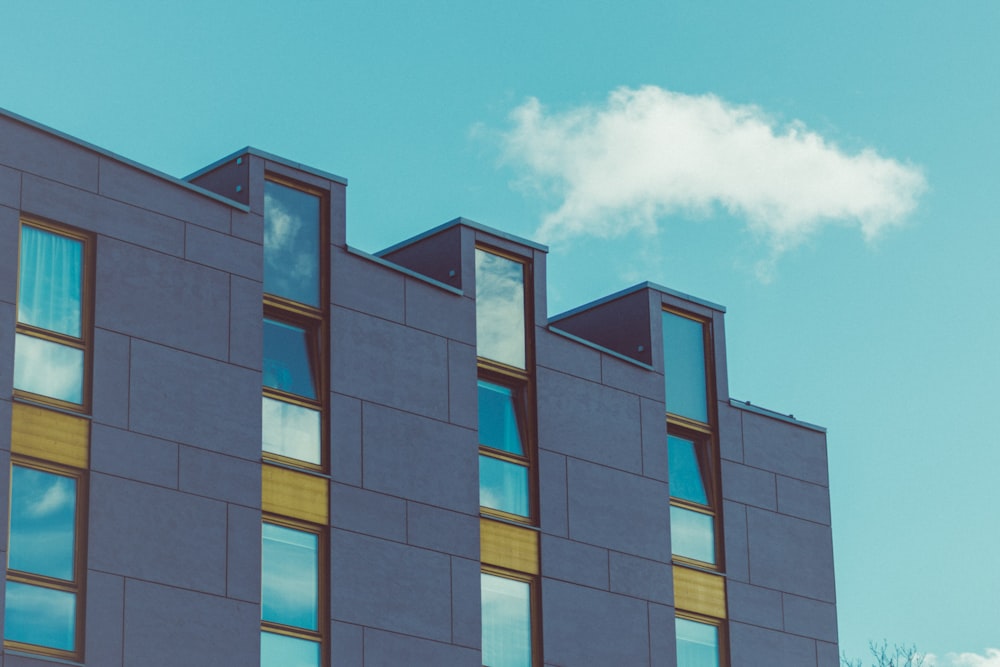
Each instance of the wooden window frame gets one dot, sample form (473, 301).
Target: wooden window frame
(535, 608)
(321, 634)
(78, 585)
(315, 321)
(85, 342)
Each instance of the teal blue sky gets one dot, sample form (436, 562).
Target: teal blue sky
(888, 341)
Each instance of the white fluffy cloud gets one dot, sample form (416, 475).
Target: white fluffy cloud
(990, 659)
(649, 152)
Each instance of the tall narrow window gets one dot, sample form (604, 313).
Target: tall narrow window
(43, 598)
(692, 518)
(290, 597)
(292, 403)
(503, 460)
(50, 349)
(506, 621)
(697, 643)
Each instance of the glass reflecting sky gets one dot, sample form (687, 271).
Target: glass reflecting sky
(692, 534)
(506, 622)
(498, 426)
(49, 292)
(686, 475)
(291, 430)
(289, 576)
(283, 651)
(40, 616)
(286, 359)
(499, 309)
(291, 244)
(697, 644)
(42, 523)
(503, 485)
(47, 368)
(684, 366)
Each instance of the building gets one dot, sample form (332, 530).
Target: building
(234, 440)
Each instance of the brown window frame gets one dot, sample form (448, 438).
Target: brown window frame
(535, 609)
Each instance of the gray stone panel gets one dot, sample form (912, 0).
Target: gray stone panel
(463, 398)
(222, 251)
(827, 655)
(561, 354)
(734, 533)
(619, 511)
(9, 250)
(434, 310)
(345, 439)
(249, 226)
(420, 459)
(754, 605)
(442, 530)
(195, 400)
(730, 432)
(747, 485)
(105, 619)
(390, 586)
(163, 299)
(642, 578)
(466, 610)
(166, 627)
(589, 421)
(790, 555)
(629, 377)
(811, 618)
(347, 642)
(389, 364)
(99, 214)
(654, 440)
(574, 562)
(127, 184)
(552, 499)
(338, 214)
(662, 636)
(585, 627)
(151, 533)
(5, 435)
(7, 325)
(10, 188)
(243, 554)
(784, 448)
(386, 649)
(133, 456)
(111, 378)
(39, 152)
(753, 647)
(720, 363)
(367, 512)
(364, 286)
(804, 500)
(220, 477)
(246, 344)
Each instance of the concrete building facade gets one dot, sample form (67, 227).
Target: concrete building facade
(228, 438)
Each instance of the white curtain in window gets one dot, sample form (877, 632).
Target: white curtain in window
(50, 281)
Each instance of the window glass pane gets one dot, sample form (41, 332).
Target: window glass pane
(47, 368)
(286, 359)
(498, 427)
(283, 651)
(697, 644)
(499, 309)
(506, 622)
(291, 243)
(291, 430)
(503, 485)
(49, 291)
(42, 523)
(684, 366)
(687, 479)
(289, 577)
(692, 534)
(40, 616)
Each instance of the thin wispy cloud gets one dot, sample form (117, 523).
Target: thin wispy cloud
(624, 165)
(989, 659)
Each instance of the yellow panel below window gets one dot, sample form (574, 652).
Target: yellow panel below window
(699, 592)
(295, 494)
(507, 546)
(50, 435)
